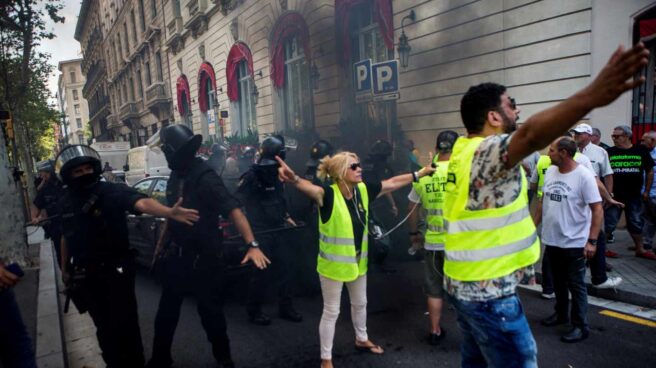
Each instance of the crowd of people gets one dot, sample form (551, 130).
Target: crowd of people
(481, 241)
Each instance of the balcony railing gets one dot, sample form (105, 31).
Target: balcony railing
(97, 107)
(129, 111)
(156, 93)
(113, 122)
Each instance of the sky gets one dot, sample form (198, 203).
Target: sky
(64, 46)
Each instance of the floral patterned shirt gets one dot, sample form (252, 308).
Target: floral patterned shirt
(492, 186)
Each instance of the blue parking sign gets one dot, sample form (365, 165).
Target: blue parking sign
(362, 76)
(385, 77)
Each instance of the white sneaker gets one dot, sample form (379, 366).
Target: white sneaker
(548, 296)
(610, 282)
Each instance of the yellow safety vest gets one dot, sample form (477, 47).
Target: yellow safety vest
(543, 164)
(431, 191)
(489, 243)
(337, 258)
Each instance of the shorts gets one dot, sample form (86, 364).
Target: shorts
(434, 274)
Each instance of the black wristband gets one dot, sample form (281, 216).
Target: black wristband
(592, 241)
(411, 233)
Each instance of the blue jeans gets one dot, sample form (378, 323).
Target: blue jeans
(632, 211)
(495, 334)
(16, 349)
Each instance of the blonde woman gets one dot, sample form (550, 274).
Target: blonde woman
(343, 244)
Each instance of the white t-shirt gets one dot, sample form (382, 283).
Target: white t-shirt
(599, 158)
(579, 158)
(566, 213)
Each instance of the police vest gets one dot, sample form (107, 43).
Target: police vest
(541, 168)
(489, 243)
(431, 191)
(337, 258)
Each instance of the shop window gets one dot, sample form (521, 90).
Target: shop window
(297, 91)
(246, 118)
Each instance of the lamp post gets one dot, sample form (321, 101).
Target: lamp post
(255, 94)
(314, 70)
(404, 47)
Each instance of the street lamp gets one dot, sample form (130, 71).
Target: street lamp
(314, 70)
(255, 94)
(404, 47)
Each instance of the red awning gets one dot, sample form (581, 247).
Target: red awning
(647, 28)
(239, 52)
(205, 71)
(182, 89)
(289, 25)
(383, 16)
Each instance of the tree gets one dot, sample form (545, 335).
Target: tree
(23, 73)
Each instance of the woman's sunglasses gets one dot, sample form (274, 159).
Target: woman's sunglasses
(355, 166)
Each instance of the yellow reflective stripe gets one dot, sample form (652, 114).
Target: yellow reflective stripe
(435, 212)
(335, 240)
(488, 223)
(434, 246)
(489, 253)
(336, 258)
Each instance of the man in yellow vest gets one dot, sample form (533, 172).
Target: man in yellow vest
(491, 242)
(429, 193)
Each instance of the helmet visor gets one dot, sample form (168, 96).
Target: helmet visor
(73, 152)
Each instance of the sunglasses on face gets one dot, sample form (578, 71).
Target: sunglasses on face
(355, 166)
(513, 104)
(617, 136)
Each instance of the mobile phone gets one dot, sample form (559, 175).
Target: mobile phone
(15, 269)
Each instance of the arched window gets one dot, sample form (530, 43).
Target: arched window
(207, 99)
(242, 91)
(184, 100)
(290, 70)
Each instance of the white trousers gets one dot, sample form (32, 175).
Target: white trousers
(332, 293)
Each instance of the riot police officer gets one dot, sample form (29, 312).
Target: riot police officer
(45, 205)
(193, 258)
(262, 194)
(319, 150)
(98, 266)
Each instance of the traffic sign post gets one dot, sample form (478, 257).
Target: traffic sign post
(385, 80)
(362, 80)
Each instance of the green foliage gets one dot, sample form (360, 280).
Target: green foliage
(251, 138)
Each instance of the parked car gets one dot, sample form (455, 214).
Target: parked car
(144, 230)
(143, 162)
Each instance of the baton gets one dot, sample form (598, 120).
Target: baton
(42, 221)
(67, 303)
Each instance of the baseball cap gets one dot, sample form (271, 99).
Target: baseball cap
(583, 128)
(446, 140)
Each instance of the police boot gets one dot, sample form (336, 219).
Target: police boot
(289, 313)
(221, 351)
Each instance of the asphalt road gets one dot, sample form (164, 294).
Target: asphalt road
(397, 322)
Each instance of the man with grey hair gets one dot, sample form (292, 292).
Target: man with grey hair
(630, 163)
(649, 141)
(596, 139)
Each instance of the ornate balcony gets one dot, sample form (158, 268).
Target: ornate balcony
(197, 22)
(98, 108)
(129, 111)
(157, 100)
(114, 122)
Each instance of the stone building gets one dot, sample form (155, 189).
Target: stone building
(90, 31)
(234, 66)
(72, 104)
(134, 66)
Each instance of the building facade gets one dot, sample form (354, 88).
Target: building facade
(231, 68)
(73, 106)
(134, 69)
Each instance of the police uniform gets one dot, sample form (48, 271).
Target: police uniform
(266, 209)
(102, 265)
(194, 261)
(48, 199)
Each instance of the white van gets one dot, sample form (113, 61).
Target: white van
(143, 162)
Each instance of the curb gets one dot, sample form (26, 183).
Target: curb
(49, 335)
(617, 294)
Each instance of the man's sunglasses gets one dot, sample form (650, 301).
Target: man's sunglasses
(513, 104)
(617, 136)
(355, 166)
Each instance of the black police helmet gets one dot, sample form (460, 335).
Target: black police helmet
(271, 147)
(319, 150)
(381, 148)
(73, 156)
(179, 143)
(446, 140)
(45, 165)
